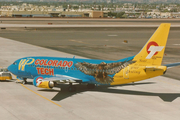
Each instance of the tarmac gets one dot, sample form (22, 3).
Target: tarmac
(87, 21)
(156, 98)
(98, 43)
(74, 26)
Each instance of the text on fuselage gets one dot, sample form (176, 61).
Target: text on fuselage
(54, 63)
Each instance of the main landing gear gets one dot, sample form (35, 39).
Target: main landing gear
(24, 81)
(71, 88)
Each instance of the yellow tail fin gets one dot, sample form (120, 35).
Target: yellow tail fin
(152, 52)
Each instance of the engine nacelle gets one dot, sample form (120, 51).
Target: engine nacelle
(38, 82)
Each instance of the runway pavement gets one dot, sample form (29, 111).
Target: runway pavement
(98, 43)
(87, 21)
(156, 98)
(79, 26)
(75, 26)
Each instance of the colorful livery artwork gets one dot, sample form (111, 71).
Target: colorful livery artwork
(47, 72)
(102, 71)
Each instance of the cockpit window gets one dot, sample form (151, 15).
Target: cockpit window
(14, 63)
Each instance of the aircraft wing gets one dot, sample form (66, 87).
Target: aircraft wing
(63, 79)
(49, 82)
(172, 65)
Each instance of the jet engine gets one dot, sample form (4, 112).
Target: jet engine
(39, 82)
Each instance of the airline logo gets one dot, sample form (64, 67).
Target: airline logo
(152, 49)
(25, 62)
(39, 81)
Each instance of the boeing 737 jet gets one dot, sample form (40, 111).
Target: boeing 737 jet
(47, 72)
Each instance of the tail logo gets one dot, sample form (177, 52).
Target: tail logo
(152, 49)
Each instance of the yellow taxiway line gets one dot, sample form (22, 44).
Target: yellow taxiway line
(40, 95)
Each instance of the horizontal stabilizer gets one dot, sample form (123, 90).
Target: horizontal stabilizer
(152, 69)
(172, 65)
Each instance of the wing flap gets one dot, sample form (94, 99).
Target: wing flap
(63, 79)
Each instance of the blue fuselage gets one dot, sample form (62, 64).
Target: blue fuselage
(31, 67)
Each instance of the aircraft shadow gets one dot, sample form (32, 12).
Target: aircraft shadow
(29, 83)
(167, 97)
(6, 80)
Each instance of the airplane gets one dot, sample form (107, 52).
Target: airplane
(48, 72)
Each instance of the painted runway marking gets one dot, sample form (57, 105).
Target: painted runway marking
(176, 44)
(79, 41)
(112, 35)
(40, 95)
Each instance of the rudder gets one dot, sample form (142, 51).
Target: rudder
(152, 52)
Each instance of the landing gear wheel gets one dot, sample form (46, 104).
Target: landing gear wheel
(91, 86)
(24, 81)
(71, 88)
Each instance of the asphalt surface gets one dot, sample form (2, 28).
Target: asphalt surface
(156, 98)
(98, 43)
(87, 21)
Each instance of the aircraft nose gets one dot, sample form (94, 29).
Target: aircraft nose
(9, 68)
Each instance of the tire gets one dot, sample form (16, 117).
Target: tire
(24, 82)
